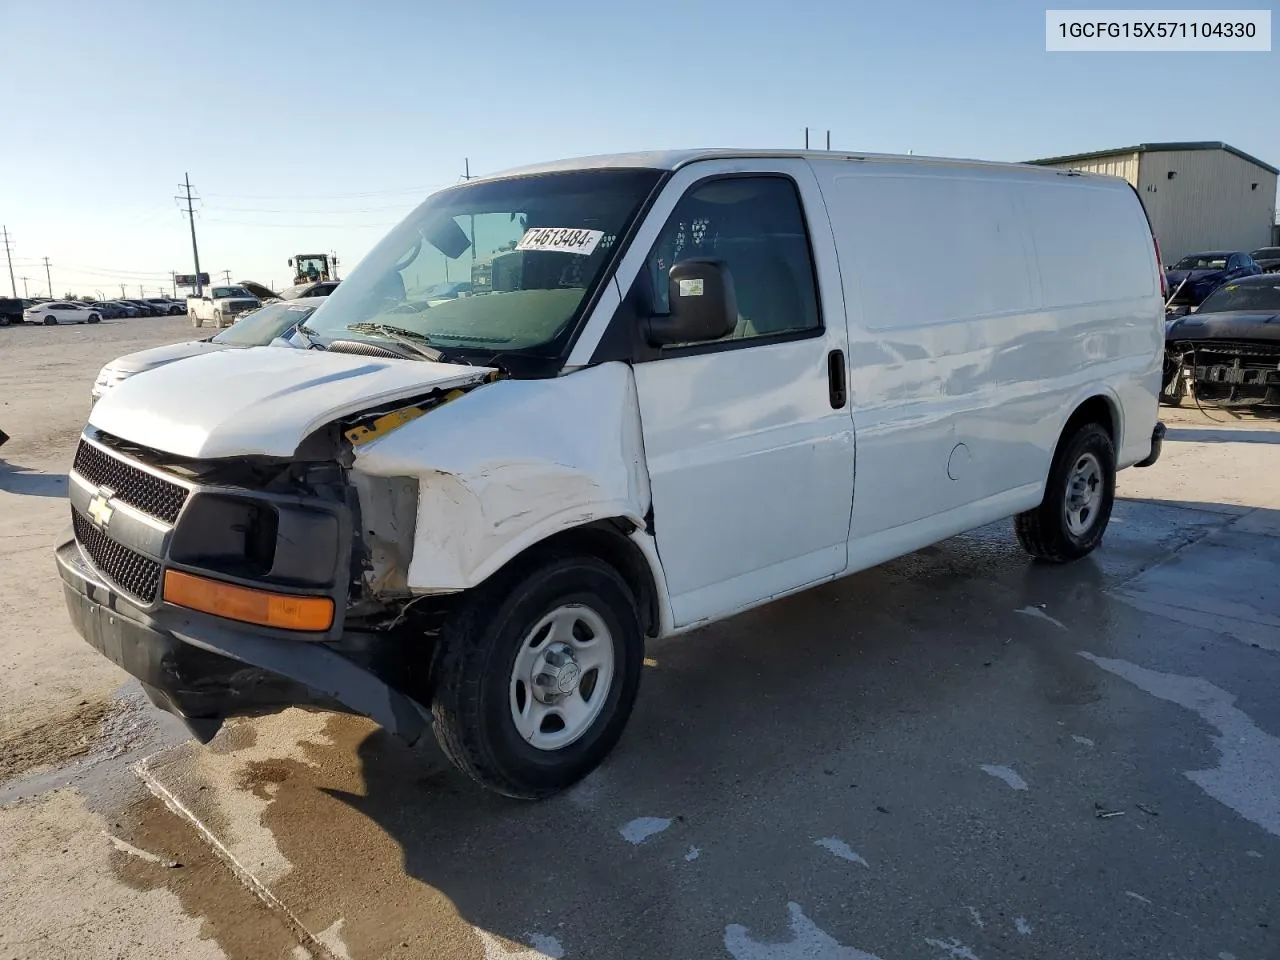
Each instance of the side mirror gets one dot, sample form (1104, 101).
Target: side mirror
(702, 304)
(291, 261)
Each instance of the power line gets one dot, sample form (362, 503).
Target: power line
(7, 245)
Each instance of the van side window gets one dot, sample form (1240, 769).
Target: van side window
(755, 225)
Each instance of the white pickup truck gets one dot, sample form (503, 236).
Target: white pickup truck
(220, 306)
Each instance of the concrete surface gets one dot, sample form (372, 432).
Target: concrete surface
(956, 755)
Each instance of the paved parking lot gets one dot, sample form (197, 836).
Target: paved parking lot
(956, 755)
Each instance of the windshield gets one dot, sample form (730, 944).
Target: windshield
(219, 293)
(492, 267)
(1243, 296)
(259, 328)
(1202, 261)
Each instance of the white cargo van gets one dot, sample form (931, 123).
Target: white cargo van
(669, 387)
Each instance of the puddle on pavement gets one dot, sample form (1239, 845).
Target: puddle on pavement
(54, 741)
(232, 916)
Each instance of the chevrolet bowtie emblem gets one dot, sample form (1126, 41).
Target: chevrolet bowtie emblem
(100, 509)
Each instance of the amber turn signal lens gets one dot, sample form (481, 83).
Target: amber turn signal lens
(278, 610)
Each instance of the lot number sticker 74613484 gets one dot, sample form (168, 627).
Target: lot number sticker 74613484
(561, 240)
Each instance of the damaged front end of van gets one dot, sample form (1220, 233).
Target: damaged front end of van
(308, 554)
(237, 585)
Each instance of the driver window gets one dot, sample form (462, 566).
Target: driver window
(756, 226)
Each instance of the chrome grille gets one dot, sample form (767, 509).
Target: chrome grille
(139, 489)
(127, 569)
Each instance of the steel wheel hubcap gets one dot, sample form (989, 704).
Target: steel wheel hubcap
(561, 677)
(1084, 495)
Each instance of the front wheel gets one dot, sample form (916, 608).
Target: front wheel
(50, 321)
(1072, 517)
(536, 675)
(94, 318)
(196, 321)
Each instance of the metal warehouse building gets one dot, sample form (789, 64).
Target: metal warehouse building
(1199, 196)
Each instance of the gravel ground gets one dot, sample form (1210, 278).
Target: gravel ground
(956, 755)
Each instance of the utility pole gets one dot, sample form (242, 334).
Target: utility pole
(25, 292)
(191, 218)
(47, 277)
(141, 295)
(226, 276)
(333, 259)
(13, 285)
(122, 293)
(174, 278)
(467, 177)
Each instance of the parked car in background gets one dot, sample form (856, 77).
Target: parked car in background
(321, 288)
(1229, 348)
(256, 330)
(61, 311)
(1268, 258)
(11, 311)
(221, 305)
(165, 307)
(144, 309)
(1197, 275)
(126, 308)
(108, 309)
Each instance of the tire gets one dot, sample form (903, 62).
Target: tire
(481, 646)
(94, 318)
(51, 321)
(1055, 533)
(196, 321)
(4, 319)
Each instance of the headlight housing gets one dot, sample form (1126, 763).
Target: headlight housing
(108, 377)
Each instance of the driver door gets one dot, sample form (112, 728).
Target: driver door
(749, 438)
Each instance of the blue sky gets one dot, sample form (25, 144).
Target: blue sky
(315, 126)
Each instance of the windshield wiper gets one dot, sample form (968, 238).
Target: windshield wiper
(419, 343)
(305, 333)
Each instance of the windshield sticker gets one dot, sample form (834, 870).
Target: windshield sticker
(691, 288)
(561, 240)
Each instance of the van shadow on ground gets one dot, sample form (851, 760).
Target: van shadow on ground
(31, 483)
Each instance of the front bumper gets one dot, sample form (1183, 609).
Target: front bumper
(204, 670)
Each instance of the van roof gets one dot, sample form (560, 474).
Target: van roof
(675, 159)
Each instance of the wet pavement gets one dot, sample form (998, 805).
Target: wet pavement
(957, 755)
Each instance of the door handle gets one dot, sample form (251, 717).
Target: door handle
(836, 390)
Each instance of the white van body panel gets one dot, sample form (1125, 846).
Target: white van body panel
(510, 464)
(260, 401)
(1038, 291)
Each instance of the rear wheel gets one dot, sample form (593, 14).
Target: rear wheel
(196, 321)
(50, 320)
(94, 318)
(1073, 516)
(537, 673)
(4, 319)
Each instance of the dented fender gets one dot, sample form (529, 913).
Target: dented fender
(511, 463)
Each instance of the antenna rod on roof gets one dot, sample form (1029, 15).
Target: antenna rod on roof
(828, 139)
(806, 138)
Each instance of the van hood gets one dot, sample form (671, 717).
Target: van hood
(143, 360)
(260, 401)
